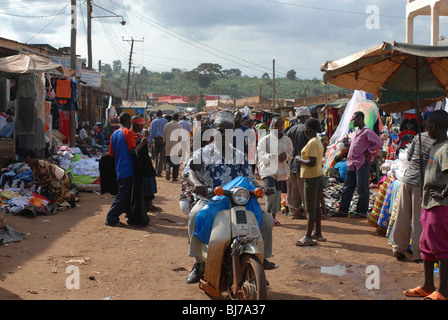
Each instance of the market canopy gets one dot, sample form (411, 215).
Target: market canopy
(337, 104)
(31, 63)
(398, 73)
(401, 106)
(393, 72)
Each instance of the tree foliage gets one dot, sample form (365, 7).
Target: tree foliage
(209, 78)
(291, 75)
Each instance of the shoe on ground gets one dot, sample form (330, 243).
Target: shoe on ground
(359, 215)
(168, 175)
(400, 256)
(267, 265)
(196, 273)
(118, 224)
(298, 215)
(339, 214)
(306, 241)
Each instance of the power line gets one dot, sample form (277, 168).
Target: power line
(117, 47)
(31, 16)
(336, 10)
(181, 37)
(47, 3)
(63, 9)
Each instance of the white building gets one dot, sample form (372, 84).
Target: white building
(433, 8)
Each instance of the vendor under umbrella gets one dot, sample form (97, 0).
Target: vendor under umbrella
(53, 180)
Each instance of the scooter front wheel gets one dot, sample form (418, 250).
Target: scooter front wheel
(254, 279)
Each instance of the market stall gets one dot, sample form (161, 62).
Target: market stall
(33, 132)
(403, 77)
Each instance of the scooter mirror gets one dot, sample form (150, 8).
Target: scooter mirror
(196, 166)
(258, 192)
(219, 191)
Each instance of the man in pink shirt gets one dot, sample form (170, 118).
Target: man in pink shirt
(365, 142)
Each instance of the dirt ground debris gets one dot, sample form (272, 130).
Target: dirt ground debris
(151, 263)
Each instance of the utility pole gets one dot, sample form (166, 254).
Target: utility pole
(73, 66)
(89, 34)
(133, 95)
(90, 5)
(130, 64)
(90, 93)
(273, 85)
(90, 105)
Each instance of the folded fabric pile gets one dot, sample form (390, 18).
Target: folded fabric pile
(83, 169)
(20, 201)
(15, 175)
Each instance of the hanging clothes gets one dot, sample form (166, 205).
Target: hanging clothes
(393, 217)
(406, 137)
(409, 122)
(64, 124)
(386, 210)
(63, 91)
(74, 95)
(392, 150)
(50, 93)
(332, 122)
(379, 201)
(108, 175)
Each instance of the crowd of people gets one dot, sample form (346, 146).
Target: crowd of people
(287, 159)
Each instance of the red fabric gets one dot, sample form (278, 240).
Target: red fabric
(63, 89)
(64, 124)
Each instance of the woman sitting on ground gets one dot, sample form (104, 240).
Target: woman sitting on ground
(53, 180)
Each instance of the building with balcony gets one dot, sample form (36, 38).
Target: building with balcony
(433, 8)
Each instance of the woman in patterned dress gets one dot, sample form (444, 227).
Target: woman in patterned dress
(53, 180)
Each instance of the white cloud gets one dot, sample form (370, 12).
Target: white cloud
(298, 34)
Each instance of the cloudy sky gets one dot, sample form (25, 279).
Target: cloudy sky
(243, 34)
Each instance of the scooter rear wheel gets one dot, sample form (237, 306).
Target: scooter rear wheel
(254, 278)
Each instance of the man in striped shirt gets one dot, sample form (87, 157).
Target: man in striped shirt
(407, 224)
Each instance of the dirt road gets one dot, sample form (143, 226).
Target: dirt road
(151, 263)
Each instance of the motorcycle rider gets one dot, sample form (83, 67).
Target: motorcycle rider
(217, 170)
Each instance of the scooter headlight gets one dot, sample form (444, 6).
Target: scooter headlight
(241, 196)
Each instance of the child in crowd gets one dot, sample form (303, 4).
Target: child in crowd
(311, 170)
(434, 217)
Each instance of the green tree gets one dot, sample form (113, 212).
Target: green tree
(201, 101)
(116, 66)
(291, 75)
(106, 69)
(204, 80)
(232, 73)
(144, 73)
(167, 76)
(211, 69)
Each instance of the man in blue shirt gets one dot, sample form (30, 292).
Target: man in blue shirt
(186, 125)
(122, 146)
(156, 136)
